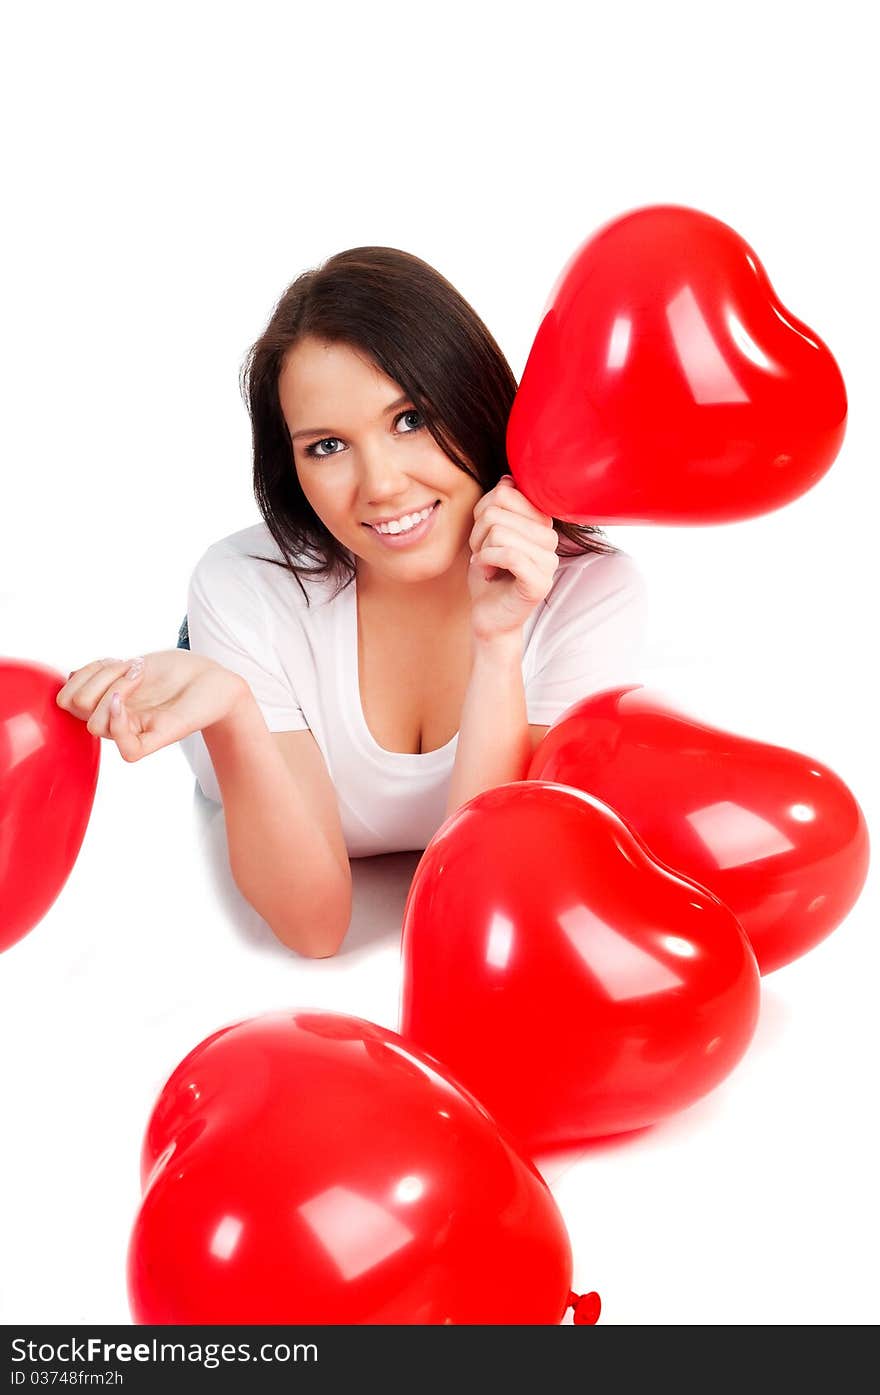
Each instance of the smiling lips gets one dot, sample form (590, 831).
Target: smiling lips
(405, 532)
(403, 523)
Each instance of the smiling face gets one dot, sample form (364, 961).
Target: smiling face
(362, 454)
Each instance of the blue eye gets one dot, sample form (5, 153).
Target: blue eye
(313, 450)
(328, 440)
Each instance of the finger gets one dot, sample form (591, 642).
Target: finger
(492, 496)
(125, 684)
(505, 495)
(541, 533)
(85, 685)
(512, 494)
(531, 573)
(133, 744)
(120, 728)
(538, 544)
(77, 677)
(513, 544)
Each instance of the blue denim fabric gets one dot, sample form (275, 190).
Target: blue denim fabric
(183, 635)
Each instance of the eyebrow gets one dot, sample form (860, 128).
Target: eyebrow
(328, 430)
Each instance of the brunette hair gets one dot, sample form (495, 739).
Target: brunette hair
(422, 334)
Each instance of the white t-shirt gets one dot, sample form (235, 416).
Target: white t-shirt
(301, 664)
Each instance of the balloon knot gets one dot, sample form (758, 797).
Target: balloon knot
(587, 1307)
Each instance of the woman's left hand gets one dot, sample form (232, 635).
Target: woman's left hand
(513, 562)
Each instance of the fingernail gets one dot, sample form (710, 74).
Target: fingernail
(115, 704)
(136, 669)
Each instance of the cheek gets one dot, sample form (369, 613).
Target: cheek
(471, 498)
(462, 492)
(462, 516)
(323, 498)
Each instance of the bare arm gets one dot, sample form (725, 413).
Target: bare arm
(494, 743)
(286, 847)
(281, 857)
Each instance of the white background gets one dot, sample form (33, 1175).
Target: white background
(169, 170)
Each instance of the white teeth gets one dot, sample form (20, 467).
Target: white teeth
(402, 525)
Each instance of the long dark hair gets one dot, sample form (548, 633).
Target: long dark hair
(423, 335)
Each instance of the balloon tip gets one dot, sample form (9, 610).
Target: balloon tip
(587, 1307)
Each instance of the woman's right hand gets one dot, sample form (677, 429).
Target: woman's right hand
(162, 697)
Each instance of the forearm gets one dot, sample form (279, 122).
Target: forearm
(494, 745)
(280, 861)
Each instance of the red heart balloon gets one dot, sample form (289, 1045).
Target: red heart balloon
(668, 384)
(777, 836)
(566, 977)
(48, 775)
(307, 1167)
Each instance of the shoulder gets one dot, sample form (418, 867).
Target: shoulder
(250, 561)
(236, 553)
(595, 577)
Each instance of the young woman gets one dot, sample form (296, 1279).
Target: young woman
(400, 629)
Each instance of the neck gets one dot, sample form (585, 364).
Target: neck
(446, 593)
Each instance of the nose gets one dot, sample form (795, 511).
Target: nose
(381, 477)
